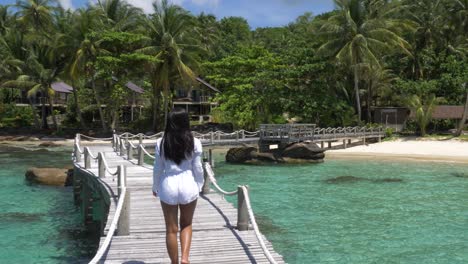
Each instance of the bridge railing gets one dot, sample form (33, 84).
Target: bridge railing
(244, 208)
(244, 212)
(121, 221)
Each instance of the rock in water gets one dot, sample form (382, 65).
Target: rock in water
(50, 176)
(303, 150)
(344, 179)
(240, 155)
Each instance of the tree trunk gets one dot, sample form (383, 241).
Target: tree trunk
(156, 102)
(98, 101)
(78, 109)
(166, 103)
(52, 113)
(36, 120)
(356, 90)
(44, 115)
(369, 102)
(462, 123)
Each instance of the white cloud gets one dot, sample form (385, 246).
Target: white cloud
(66, 4)
(213, 3)
(146, 5)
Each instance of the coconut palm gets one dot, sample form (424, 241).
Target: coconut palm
(423, 110)
(359, 33)
(173, 43)
(36, 14)
(117, 15)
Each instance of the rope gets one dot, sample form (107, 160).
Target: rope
(210, 173)
(112, 228)
(255, 226)
(147, 153)
(91, 154)
(93, 138)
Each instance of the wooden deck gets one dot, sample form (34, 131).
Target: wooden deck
(215, 238)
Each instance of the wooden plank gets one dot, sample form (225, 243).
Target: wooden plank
(215, 239)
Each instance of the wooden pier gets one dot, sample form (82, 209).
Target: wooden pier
(133, 229)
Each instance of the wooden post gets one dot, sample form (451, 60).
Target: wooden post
(212, 137)
(206, 185)
(237, 136)
(329, 144)
(322, 144)
(129, 151)
(117, 141)
(101, 166)
(77, 154)
(141, 155)
(242, 212)
(243, 134)
(123, 226)
(349, 141)
(122, 146)
(140, 139)
(344, 143)
(364, 140)
(113, 141)
(219, 135)
(87, 159)
(210, 158)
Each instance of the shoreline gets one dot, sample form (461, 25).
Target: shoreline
(395, 157)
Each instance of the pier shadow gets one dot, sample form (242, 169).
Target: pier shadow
(232, 229)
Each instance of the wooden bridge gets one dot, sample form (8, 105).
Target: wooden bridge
(114, 189)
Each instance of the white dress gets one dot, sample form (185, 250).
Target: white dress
(178, 184)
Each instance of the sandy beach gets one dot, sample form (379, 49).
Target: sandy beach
(410, 149)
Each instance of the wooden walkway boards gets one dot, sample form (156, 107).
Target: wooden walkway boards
(215, 239)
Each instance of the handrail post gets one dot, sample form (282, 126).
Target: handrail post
(242, 211)
(243, 134)
(123, 226)
(206, 185)
(129, 151)
(122, 146)
(212, 137)
(113, 141)
(141, 155)
(140, 138)
(210, 158)
(237, 136)
(87, 158)
(77, 153)
(101, 165)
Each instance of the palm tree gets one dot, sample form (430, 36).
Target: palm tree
(423, 110)
(117, 15)
(36, 14)
(461, 126)
(359, 33)
(173, 43)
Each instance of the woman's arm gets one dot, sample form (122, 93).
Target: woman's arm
(158, 169)
(197, 166)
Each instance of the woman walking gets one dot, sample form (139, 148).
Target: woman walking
(177, 181)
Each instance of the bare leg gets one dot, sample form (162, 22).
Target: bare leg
(186, 216)
(170, 216)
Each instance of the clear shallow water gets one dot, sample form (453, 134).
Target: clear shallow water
(423, 219)
(38, 224)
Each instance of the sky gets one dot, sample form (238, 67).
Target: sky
(259, 13)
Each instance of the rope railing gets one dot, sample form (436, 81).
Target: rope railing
(255, 226)
(117, 223)
(244, 209)
(212, 179)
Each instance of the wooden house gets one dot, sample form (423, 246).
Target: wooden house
(197, 101)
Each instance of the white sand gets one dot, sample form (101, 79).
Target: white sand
(448, 150)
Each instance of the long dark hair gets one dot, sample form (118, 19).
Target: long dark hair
(177, 143)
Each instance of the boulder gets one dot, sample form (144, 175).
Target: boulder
(303, 150)
(240, 155)
(50, 176)
(48, 144)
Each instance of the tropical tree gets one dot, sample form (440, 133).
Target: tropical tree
(462, 123)
(359, 33)
(423, 108)
(174, 44)
(36, 15)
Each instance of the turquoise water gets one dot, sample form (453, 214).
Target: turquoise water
(38, 224)
(422, 219)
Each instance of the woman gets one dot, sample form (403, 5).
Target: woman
(178, 180)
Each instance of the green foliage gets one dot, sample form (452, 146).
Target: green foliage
(15, 116)
(423, 108)
(389, 132)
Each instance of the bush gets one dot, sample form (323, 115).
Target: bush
(16, 116)
(389, 132)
